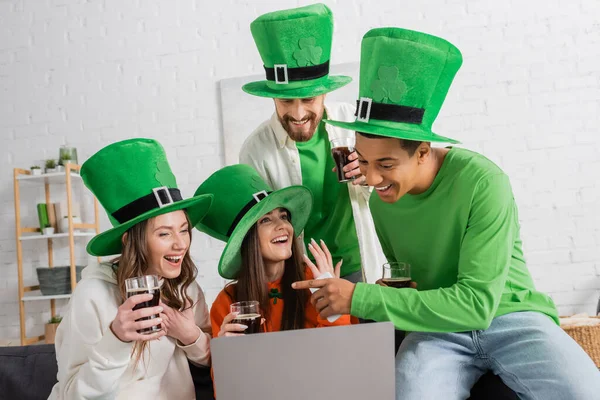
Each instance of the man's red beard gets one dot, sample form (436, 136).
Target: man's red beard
(294, 133)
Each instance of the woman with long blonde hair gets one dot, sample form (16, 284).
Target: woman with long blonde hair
(100, 349)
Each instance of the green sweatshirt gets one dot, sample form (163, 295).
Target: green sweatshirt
(462, 240)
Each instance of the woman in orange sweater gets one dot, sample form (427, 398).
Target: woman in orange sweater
(263, 254)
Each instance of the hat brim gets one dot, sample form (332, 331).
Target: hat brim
(398, 130)
(296, 199)
(327, 85)
(109, 243)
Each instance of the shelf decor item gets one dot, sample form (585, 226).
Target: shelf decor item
(48, 230)
(64, 223)
(51, 327)
(56, 280)
(65, 159)
(35, 170)
(42, 212)
(67, 155)
(50, 166)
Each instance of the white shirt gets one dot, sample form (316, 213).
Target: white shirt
(271, 152)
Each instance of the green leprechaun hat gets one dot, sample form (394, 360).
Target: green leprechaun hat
(295, 47)
(133, 181)
(242, 198)
(404, 78)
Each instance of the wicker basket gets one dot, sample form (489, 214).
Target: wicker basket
(56, 280)
(588, 337)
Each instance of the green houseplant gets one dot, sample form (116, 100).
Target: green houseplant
(67, 155)
(65, 159)
(50, 328)
(50, 166)
(35, 170)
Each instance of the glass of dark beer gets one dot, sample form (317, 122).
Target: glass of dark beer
(147, 284)
(340, 150)
(248, 314)
(396, 274)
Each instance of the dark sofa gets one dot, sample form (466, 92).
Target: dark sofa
(29, 372)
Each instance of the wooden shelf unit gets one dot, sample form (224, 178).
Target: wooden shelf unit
(29, 233)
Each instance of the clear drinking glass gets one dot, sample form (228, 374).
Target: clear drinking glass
(340, 150)
(147, 284)
(248, 314)
(396, 274)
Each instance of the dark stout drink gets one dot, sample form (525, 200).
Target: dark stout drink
(340, 156)
(398, 283)
(252, 321)
(155, 292)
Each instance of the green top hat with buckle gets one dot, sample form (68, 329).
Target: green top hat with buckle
(404, 78)
(133, 181)
(295, 47)
(242, 198)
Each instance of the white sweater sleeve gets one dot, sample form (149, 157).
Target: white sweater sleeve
(91, 359)
(199, 351)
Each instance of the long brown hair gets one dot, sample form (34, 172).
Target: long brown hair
(252, 283)
(134, 262)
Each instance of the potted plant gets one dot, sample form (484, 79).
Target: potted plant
(65, 158)
(51, 326)
(35, 170)
(67, 155)
(48, 230)
(50, 166)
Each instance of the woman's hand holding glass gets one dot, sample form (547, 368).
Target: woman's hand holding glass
(128, 321)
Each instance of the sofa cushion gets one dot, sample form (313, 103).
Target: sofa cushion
(27, 372)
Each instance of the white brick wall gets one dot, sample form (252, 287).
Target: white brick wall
(91, 72)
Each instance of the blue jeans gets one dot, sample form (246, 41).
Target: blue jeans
(532, 355)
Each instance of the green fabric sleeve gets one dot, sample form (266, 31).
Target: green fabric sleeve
(483, 265)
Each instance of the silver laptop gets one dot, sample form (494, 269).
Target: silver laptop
(342, 362)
